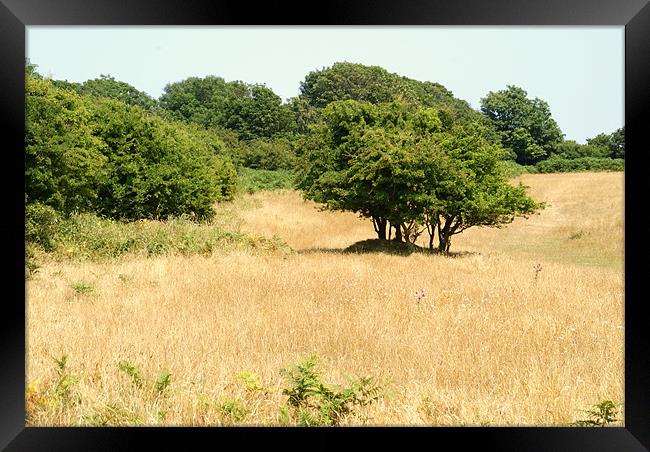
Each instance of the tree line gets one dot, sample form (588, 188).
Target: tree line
(404, 153)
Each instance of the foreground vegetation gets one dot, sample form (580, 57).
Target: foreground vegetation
(519, 326)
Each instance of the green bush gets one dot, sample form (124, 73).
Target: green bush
(315, 403)
(41, 225)
(91, 154)
(269, 154)
(570, 149)
(157, 169)
(253, 180)
(31, 264)
(232, 411)
(83, 288)
(560, 165)
(64, 160)
(513, 169)
(601, 415)
(133, 372)
(87, 236)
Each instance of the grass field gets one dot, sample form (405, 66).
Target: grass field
(200, 340)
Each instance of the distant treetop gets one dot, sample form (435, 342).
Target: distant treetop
(374, 84)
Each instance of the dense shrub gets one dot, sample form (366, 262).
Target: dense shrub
(560, 165)
(85, 153)
(269, 154)
(41, 225)
(156, 169)
(570, 149)
(511, 168)
(64, 160)
(253, 180)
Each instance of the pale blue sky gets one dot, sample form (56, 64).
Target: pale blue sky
(579, 71)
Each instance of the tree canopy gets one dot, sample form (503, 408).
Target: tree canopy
(107, 86)
(394, 164)
(64, 159)
(251, 110)
(86, 153)
(612, 145)
(375, 85)
(525, 125)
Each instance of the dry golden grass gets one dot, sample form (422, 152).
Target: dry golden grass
(584, 223)
(488, 344)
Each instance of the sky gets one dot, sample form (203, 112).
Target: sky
(578, 71)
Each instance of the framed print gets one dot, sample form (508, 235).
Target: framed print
(222, 238)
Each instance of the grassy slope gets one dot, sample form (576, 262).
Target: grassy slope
(488, 344)
(583, 224)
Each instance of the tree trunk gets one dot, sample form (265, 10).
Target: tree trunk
(431, 229)
(444, 238)
(382, 231)
(442, 244)
(380, 227)
(398, 232)
(445, 244)
(408, 232)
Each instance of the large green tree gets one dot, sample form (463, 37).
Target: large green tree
(200, 100)
(525, 125)
(471, 190)
(343, 81)
(108, 86)
(358, 160)
(612, 145)
(617, 144)
(374, 84)
(394, 164)
(251, 110)
(255, 111)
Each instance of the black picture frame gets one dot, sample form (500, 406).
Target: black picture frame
(15, 15)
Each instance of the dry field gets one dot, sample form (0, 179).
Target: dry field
(489, 344)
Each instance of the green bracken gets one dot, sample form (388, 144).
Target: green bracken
(314, 403)
(601, 415)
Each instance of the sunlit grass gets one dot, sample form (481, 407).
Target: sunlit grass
(475, 339)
